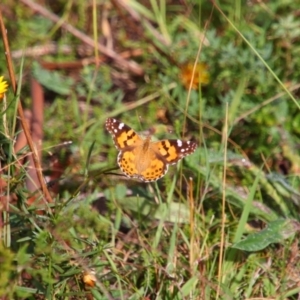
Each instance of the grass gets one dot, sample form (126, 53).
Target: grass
(223, 223)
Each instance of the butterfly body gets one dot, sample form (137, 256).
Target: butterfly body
(143, 159)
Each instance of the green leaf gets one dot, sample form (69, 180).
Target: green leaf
(276, 232)
(52, 80)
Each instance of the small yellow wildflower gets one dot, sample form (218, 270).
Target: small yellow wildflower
(3, 87)
(201, 75)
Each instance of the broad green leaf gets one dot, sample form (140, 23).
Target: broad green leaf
(52, 80)
(276, 232)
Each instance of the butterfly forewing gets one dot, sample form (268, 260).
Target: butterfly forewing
(124, 137)
(173, 150)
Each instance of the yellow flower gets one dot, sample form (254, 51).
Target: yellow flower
(3, 87)
(201, 75)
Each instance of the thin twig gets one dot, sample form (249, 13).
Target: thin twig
(37, 97)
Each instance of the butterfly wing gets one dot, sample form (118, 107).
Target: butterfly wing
(157, 169)
(124, 137)
(127, 141)
(171, 151)
(164, 153)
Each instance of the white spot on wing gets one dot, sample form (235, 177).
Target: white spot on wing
(179, 143)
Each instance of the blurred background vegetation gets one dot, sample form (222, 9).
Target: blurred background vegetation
(222, 225)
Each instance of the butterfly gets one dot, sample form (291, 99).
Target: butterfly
(142, 158)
